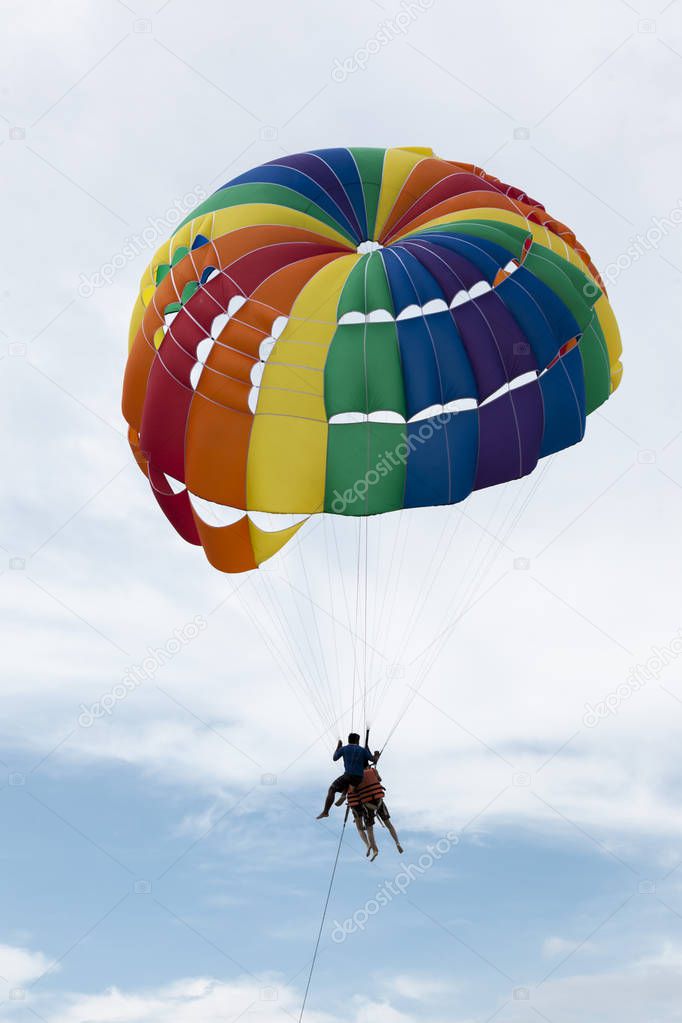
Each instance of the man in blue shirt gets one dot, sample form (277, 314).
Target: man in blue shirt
(355, 760)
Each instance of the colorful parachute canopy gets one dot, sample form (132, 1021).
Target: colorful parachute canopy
(358, 331)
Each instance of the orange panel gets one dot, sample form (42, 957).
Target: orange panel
(140, 359)
(216, 444)
(228, 548)
(424, 176)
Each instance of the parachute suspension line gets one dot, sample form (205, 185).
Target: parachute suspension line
(393, 586)
(351, 632)
(375, 627)
(364, 634)
(277, 655)
(510, 520)
(324, 672)
(304, 691)
(332, 603)
(454, 613)
(320, 697)
(430, 579)
(324, 917)
(364, 518)
(357, 626)
(314, 693)
(434, 568)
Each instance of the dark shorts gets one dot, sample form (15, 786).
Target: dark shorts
(366, 813)
(344, 782)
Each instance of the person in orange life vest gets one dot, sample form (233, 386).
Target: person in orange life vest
(366, 800)
(355, 760)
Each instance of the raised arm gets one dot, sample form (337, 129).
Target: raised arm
(370, 755)
(338, 752)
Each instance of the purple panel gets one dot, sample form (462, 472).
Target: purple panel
(452, 271)
(510, 434)
(497, 347)
(322, 174)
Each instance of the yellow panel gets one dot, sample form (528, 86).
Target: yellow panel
(398, 165)
(287, 454)
(266, 544)
(135, 321)
(288, 398)
(614, 344)
(422, 150)
(253, 214)
(286, 467)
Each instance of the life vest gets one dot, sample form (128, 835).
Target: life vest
(370, 789)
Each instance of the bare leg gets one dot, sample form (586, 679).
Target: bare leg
(372, 841)
(327, 805)
(394, 835)
(363, 835)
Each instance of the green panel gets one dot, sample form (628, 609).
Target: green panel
(352, 298)
(189, 289)
(370, 163)
(264, 192)
(386, 391)
(366, 287)
(365, 468)
(363, 372)
(377, 292)
(344, 371)
(508, 236)
(596, 366)
(575, 290)
(179, 254)
(579, 293)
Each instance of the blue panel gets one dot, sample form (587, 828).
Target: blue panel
(452, 272)
(288, 177)
(462, 433)
(410, 282)
(563, 397)
(545, 320)
(441, 463)
(454, 369)
(428, 469)
(345, 168)
(420, 370)
(199, 241)
(486, 256)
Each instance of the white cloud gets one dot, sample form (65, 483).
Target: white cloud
(555, 947)
(204, 1000)
(418, 987)
(19, 966)
(645, 990)
(649, 988)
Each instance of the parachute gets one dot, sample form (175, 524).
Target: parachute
(349, 332)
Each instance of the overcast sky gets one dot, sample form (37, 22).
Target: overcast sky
(162, 861)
